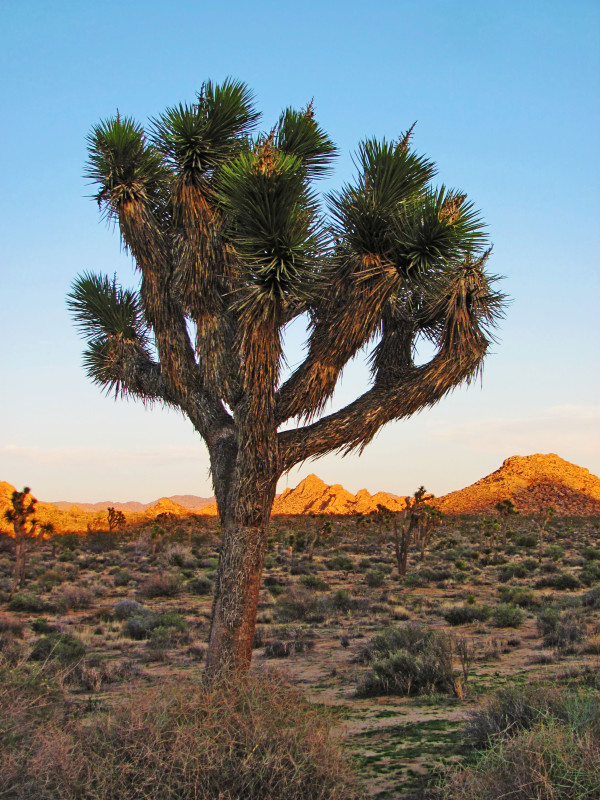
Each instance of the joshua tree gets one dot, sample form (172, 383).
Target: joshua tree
(232, 243)
(46, 530)
(323, 528)
(25, 526)
(404, 534)
(506, 509)
(116, 519)
(542, 520)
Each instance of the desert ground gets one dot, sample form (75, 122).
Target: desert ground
(513, 606)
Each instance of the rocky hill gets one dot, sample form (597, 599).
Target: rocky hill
(532, 483)
(314, 496)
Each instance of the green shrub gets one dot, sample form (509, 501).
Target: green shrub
(519, 708)
(163, 584)
(547, 620)
(140, 626)
(507, 616)
(200, 585)
(513, 570)
(415, 580)
(57, 646)
(341, 600)
(314, 582)
(168, 632)
(292, 640)
(122, 577)
(341, 562)
(526, 540)
(547, 762)
(537, 743)
(591, 599)
(50, 578)
(374, 578)
(562, 581)
(555, 552)
(518, 596)
(42, 625)
(463, 615)
(297, 603)
(28, 602)
(591, 553)
(127, 608)
(409, 660)
(68, 598)
(590, 574)
(561, 630)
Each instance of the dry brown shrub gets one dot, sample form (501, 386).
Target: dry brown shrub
(255, 740)
(547, 763)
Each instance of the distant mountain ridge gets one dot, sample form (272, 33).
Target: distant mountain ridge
(531, 482)
(189, 501)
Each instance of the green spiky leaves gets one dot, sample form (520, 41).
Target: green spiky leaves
(101, 307)
(274, 222)
(389, 177)
(461, 310)
(195, 139)
(393, 213)
(438, 228)
(125, 167)
(298, 134)
(111, 319)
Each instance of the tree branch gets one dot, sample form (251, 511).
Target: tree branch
(142, 233)
(356, 425)
(345, 320)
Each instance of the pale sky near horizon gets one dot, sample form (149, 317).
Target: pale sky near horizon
(505, 95)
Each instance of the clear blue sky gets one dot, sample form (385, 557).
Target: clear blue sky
(506, 97)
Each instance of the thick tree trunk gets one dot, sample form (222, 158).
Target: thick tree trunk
(236, 597)
(402, 544)
(245, 488)
(20, 561)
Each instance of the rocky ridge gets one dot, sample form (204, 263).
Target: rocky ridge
(314, 496)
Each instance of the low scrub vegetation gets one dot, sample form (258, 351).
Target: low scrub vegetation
(170, 741)
(105, 623)
(534, 743)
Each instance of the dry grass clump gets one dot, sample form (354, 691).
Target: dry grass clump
(540, 744)
(522, 708)
(162, 584)
(252, 740)
(546, 763)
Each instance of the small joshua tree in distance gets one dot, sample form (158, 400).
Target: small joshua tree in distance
(506, 508)
(21, 516)
(116, 519)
